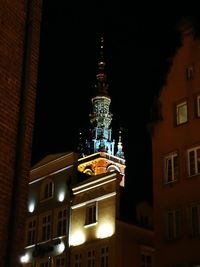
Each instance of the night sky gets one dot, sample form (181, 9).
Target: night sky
(137, 53)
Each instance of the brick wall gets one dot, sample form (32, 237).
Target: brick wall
(19, 49)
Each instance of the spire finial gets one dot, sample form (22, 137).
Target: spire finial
(101, 85)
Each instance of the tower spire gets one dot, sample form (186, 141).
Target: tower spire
(101, 77)
(101, 117)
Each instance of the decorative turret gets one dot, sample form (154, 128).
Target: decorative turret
(101, 118)
(120, 152)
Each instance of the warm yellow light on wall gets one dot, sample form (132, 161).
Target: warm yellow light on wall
(77, 238)
(105, 230)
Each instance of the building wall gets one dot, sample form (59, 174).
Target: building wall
(19, 48)
(169, 137)
(57, 170)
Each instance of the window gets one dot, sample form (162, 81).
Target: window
(171, 170)
(91, 213)
(45, 227)
(77, 260)
(91, 258)
(61, 217)
(60, 261)
(198, 105)
(195, 219)
(181, 113)
(31, 232)
(46, 191)
(194, 161)
(173, 224)
(189, 72)
(146, 260)
(104, 257)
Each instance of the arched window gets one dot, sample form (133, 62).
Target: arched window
(46, 191)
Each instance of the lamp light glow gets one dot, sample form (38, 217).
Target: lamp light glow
(61, 196)
(77, 238)
(31, 206)
(25, 258)
(105, 230)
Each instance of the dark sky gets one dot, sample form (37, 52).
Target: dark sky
(137, 52)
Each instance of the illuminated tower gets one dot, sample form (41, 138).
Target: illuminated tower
(101, 117)
(101, 157)
(98, 235)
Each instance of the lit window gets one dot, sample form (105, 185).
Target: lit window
(46, 190)
(91, 214)
(173, 224)
(45, 227)
(181, 113)
(195, 219)
(189, 72)
(91, 259)
(171, 170)
(198, 105)
(61, 217)
(194, 161)
(31, 232)
(104, 257)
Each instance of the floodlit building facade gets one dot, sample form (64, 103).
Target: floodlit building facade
(176, 161)
(46, 237)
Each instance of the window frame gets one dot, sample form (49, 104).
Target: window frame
(166, 172)
(91, 213)
(62, 221)
(198, 106)
(31, 231)
(173, 224)
(45, 229)
(194, 221)
(178, 112)
(104, 257)
(195, 163)
(46, 190)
